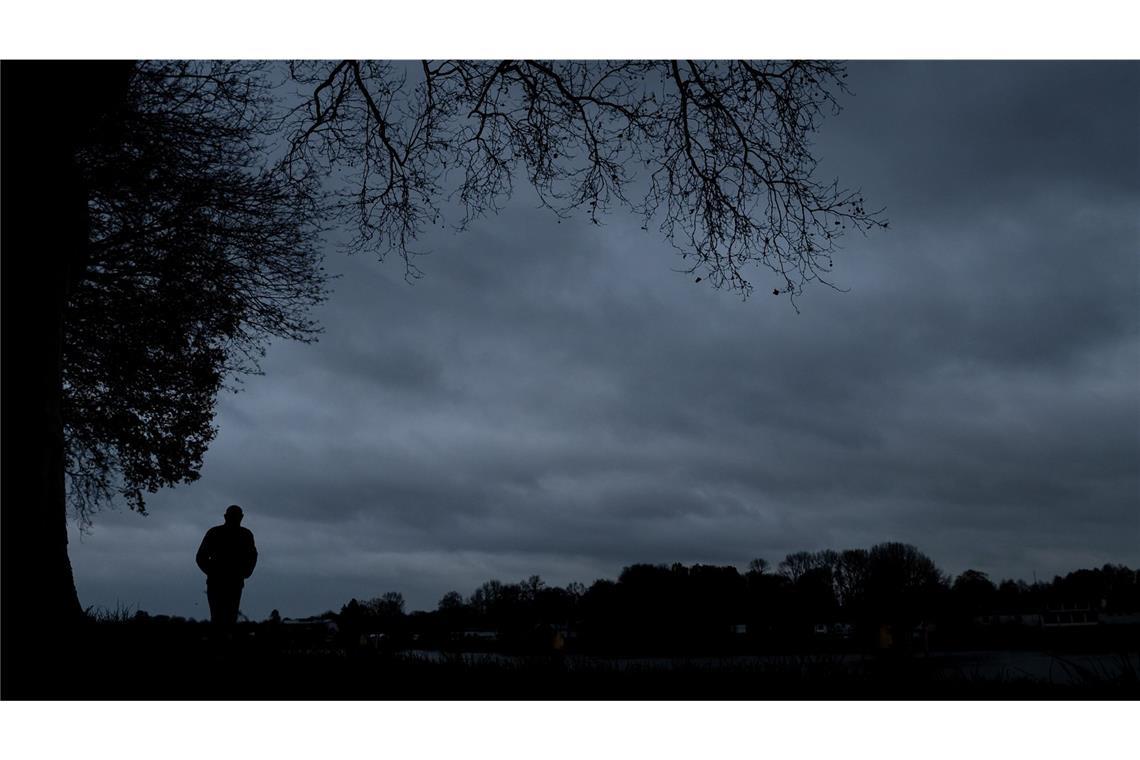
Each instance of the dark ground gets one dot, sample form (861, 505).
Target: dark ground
(189, 661)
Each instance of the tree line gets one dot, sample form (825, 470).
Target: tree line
(851, 595)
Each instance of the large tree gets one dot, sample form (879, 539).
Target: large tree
(901, 582)
(198, 251)
(152, 249)
(50, 112)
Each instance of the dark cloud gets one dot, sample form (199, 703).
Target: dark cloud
(555, 399)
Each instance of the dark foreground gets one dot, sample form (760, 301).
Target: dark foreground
(190, 662)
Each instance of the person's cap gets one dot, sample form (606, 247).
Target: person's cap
(234, 510)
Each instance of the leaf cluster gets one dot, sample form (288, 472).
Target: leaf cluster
(199, 253)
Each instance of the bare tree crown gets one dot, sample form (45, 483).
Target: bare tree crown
(719, 153)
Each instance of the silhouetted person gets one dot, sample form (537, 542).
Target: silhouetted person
(227, 556)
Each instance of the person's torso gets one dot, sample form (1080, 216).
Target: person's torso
(229, 550)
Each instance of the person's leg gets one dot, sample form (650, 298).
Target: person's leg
(224, 600)
(233, 604)
(217, 606)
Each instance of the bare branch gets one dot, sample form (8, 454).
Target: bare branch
(720, 152)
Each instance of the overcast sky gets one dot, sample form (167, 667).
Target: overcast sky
(554, 399)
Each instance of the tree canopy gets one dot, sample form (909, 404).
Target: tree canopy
(199, 252)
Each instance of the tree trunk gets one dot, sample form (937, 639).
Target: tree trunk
(49, 111)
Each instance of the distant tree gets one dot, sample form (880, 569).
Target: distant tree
(497, 602)
(487, 597)
(652, 596)
(766, 599)
(647, 575)
(1012, 588)
(973, 592)
(828, 560)
(758, 566)
(552, 604)
(352, 618)
(794, 565)
(1114, 585)
(901, 580)
(1121, 588)
(717, 596)
(851, 577)
(531, 587)
(973, 582)
(452, 600)
(814, 594)
(389, 605)
(452, 611)
(602, 612)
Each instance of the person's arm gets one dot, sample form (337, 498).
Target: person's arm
(203, 557)
(251, 556)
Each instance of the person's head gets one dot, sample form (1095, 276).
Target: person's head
(234, 515)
